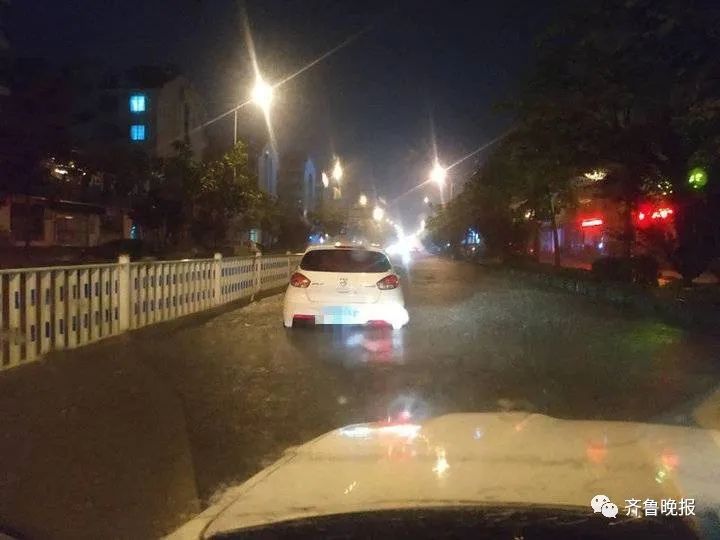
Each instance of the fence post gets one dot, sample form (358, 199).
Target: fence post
(124, 296)
(217, 279)
(257, 275)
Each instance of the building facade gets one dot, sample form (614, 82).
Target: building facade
(43, 222)
(299, 184)
(149, 107)
(157, 118)
(4, 52)
(268, 164)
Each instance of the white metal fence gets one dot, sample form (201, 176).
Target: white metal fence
(44, 309)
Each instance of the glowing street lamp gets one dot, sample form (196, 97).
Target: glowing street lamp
(362, 200)
(325, 179)
(426, 200)
(337, 172)
(378, 213)
(262, 95)
(438, 174)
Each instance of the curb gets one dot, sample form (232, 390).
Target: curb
(643, 300)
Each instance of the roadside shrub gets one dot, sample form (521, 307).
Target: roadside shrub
(519, 260)
(643, 270)
(691, 260)
(613, 269)
(646, 270)
(714, 268)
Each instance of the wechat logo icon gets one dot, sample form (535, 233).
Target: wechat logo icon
(601, 504)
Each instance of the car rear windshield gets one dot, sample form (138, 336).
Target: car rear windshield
(345, 260)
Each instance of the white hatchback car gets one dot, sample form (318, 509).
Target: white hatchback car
(344, 285)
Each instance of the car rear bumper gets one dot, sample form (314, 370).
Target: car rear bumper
(394, 314)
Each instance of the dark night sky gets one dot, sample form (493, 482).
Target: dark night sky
(370, 102)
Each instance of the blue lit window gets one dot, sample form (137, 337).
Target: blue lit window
(137, 103)
(137, 132)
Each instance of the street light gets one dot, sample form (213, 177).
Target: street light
(337, 172)
(426, 200)
(378, 213)
(325, 179)
(262, 94)
(362, 200)
(438, 174)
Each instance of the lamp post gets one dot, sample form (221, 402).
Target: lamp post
(438, 175)
(337, 172)
(262, 96)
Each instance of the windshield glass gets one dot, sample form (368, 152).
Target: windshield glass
(345, 260)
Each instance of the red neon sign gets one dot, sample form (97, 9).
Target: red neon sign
(658, 214)
(661, 213)
(591, 222)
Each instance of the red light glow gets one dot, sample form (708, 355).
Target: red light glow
(651, 215)
(670, 460)
(662, 213)
(591, 222)
(596, 452)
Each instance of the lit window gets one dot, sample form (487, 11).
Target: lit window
(137, 103)
(137, 132)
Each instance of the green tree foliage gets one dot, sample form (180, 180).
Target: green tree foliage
(204, 202)
(631, 84)
(329, 219)
(34, 126)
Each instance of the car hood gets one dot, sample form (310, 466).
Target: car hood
(476, 459)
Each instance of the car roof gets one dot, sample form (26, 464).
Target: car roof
(356, 247)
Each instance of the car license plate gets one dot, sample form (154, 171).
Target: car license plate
(339, 315)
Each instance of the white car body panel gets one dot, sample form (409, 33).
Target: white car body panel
(345, 298)
(473, 459)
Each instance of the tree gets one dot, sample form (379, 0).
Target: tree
(179, 198)
(632, 84)
(227, 197)
(34, 126)
(329, 219)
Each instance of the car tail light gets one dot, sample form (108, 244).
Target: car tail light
(300, 281)
(377, 323)
(303, 319)
(388, 282)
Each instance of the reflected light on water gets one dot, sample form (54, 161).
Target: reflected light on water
(669, 461)
(402, 430)
(377, 344)
(441, 463)
(364, 431)
(356, 432)
(350, 487)
(596, 451)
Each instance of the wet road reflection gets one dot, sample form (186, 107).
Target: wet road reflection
(350, 346)
(137, 430)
